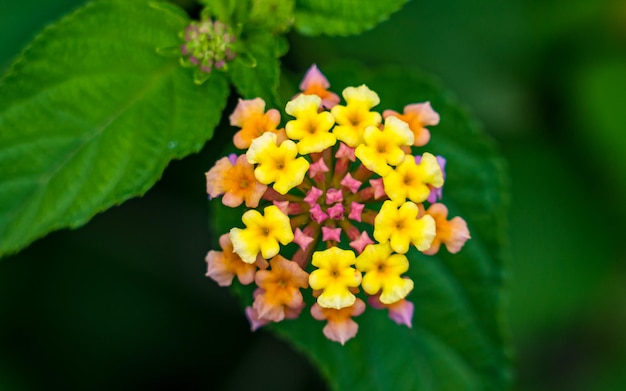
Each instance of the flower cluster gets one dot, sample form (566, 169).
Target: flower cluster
(335, 201)
(208, 45)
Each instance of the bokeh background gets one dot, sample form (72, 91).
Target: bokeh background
(123, 302)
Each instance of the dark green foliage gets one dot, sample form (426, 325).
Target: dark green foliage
(95, 108)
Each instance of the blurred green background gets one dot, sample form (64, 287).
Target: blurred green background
(123, 302)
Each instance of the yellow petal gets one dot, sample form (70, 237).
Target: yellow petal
(396, 290)
(424, 233)
(260, 147)
(292, 175)
(336, 298)
(244, 245)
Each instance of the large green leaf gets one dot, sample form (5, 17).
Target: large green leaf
(90, 116)
(459, 340)
(342, 17)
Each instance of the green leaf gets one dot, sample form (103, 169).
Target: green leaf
(459, 340)
(256, 73)
(342, 17)
(222, 10)
(90, 115)
(273, 15)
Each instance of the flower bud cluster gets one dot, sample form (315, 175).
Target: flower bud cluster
(208, 45)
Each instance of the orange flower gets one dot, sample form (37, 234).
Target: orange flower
(235, 180)
(340, 326)
(417, 115)
(280, 289)
(453, 233)
(315, 83)
(251, 117)
(223, 266)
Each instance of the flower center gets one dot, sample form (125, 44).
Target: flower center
(355, 119)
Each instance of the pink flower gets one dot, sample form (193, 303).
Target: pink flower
(315, 83)
(340, 326)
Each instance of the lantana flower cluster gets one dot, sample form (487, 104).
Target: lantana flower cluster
(335, 199)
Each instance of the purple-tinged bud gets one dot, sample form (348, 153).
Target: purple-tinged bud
(329, 233)
(282, 205)
(312, 196)
(379, 188)
(351, 183)
(333, 196)
(402, 312)
(319, 167)
(345, 152)
(360, 242)
(356, 209)
(335, 212)
(302, 239)
(317, 214)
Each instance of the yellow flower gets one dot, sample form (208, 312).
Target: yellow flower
(411, 180)
(311, 128)
(401, 227)
(353, 118)
(381, 148)
(382, 272)
(277, 163)
(262, 234)
(334, 277)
